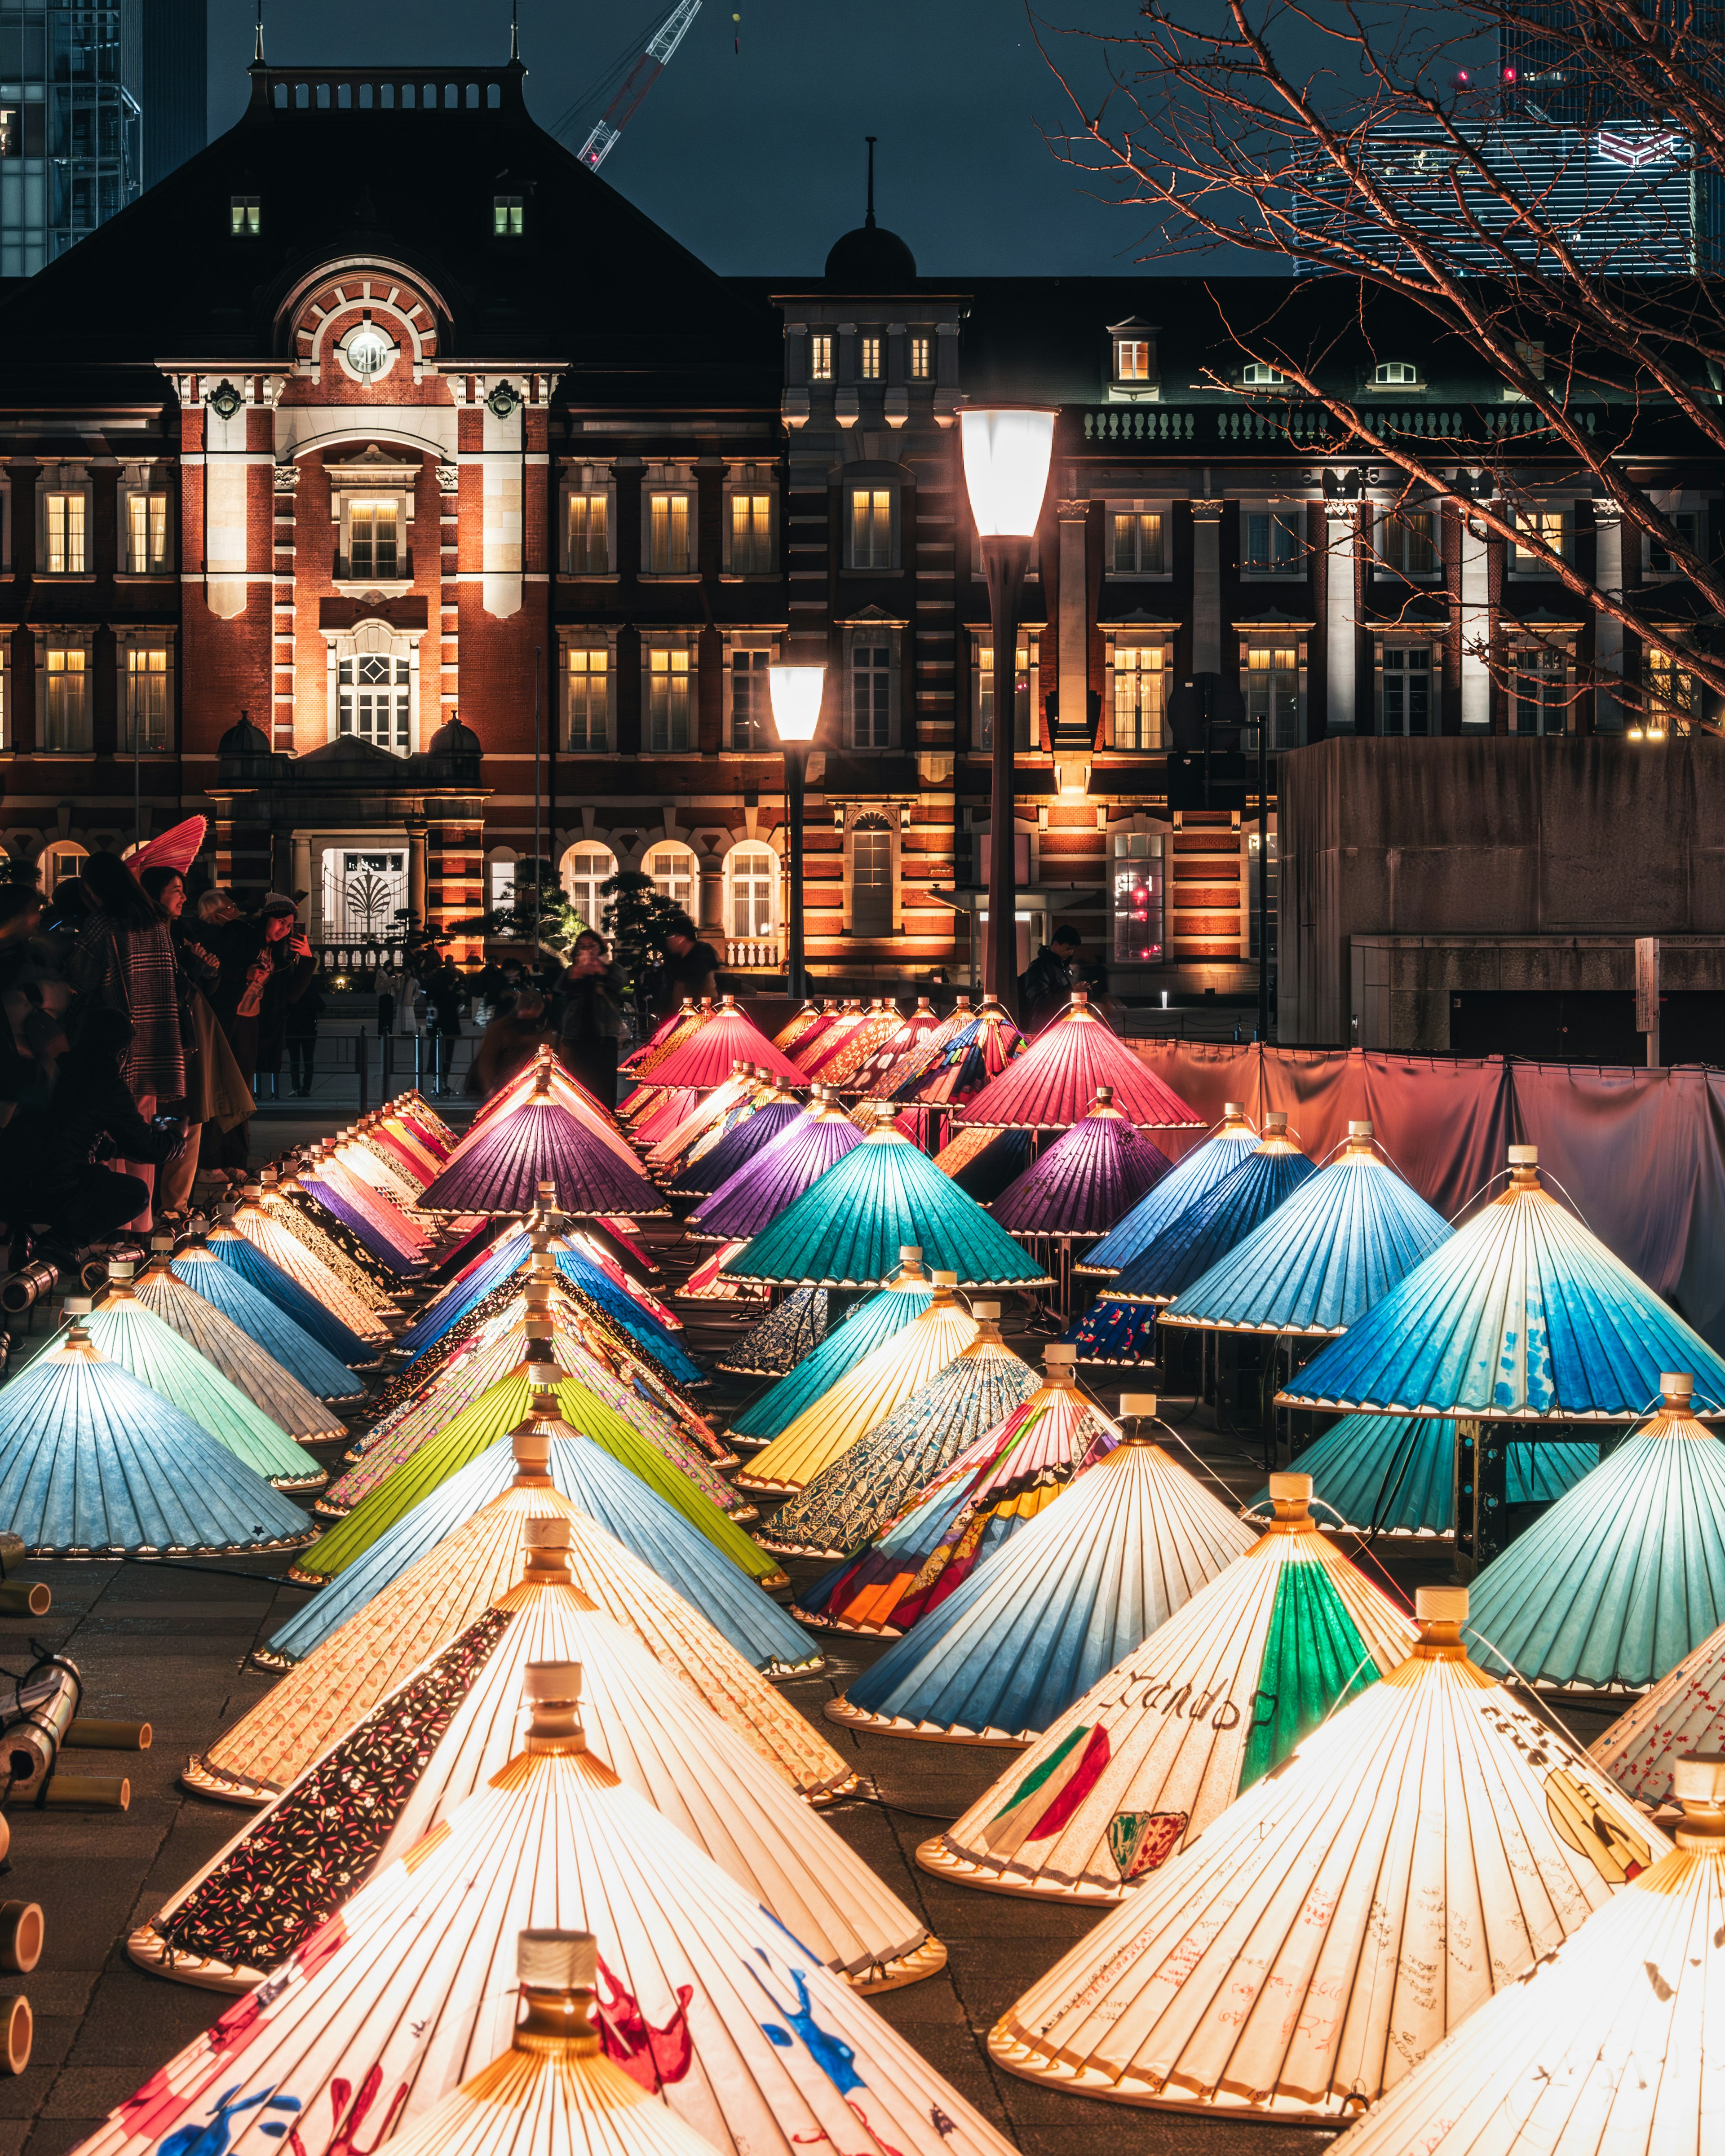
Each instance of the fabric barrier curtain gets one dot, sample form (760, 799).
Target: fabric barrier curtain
(1640, 1154)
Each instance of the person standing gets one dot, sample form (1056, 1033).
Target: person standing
(691, 968)
(1045, 985)
(511, 1041)
(591, 1035)
(386, 1013)
(299, 1030)
(216, 1093)
(267, 963)
(445, 998)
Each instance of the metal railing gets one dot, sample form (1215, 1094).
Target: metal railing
(352, 1067)
(366, 954)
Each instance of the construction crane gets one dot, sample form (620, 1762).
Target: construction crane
(641, 77)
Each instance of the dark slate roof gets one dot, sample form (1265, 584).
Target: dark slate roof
(591, 282)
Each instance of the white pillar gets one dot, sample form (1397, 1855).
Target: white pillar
(1608, 629)
(1206, 587)
(1074, 676)
(1341, 643)
(1475, 626)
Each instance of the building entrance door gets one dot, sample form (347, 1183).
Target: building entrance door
(364, 892)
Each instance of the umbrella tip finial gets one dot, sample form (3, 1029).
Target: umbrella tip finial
(552, 1694)
(1291, 1496)
(1525, 1158)
(1441, 1613)
(557, 1972)
(1677, 1390)
(1060, 1363)
(1698, 1785)
(1360, 1132)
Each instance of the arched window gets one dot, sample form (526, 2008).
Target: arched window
(64, 858)
(871, 876)
(753, 873)
(586, 869)
(671, 868)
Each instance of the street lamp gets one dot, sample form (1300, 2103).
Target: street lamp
(1006, 460)
(796, 693)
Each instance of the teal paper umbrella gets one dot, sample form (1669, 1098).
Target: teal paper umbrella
(1323, 1256)
(1625, 1574)
(900, 1303)
(1395, 1475)
(847, 1229)
(225, 1288)
(1268, 1176)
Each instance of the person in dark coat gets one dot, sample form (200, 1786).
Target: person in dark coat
(592, 1030)
(1045, 985)
(691, 968)
(267, 963)
(299, 1027)
(512, 1039)
(446, 1000)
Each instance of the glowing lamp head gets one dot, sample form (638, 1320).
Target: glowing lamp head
(795, 692)
(1006, 460)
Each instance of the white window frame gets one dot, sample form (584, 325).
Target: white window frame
(1287, 524)
(1396, 374)
(751, 482)
(1027, 734)
(373, 639)
(670, 481)
(874, 823)
(1519, 645)
(509, 216)
(761, 883)
(1131, 667)
(69, 485)
(1675, 696)
(581, 883)
(58, 859)
(78, 732)
(760, 650)
(245, 217)
(1149, 562)
(1288, 730)
(1679, 509)
(1258, 374)
(871, 636)
(1393, 537)
(689, 897)
(1134, 359)
(1385, 677)
(140, 486)
(594, 484)
(920, 357)
(668, 656)
(1137, 853)
(136, 653)
(822, 346)
(1522, 564)
(855, 489)
(576, 680)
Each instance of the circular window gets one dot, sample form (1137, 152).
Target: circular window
(368, 352)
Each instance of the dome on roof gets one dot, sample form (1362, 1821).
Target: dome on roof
(243, 738)
(453, 738)
(871, 259)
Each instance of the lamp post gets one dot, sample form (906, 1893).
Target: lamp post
(796, 694)
(1006, 460)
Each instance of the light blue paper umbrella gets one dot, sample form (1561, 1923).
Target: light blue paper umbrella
(1395, 1475)
(1192, 1177)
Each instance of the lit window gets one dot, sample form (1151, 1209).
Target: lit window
(868, 358)
(668, 534)
(1673, 695)
(668, 870)
(749, 701)
(247, 216)
(872, 877)
(1271, 894)
(144, 721)
(1272, 695)
(586, 869)
(1539, 689)
(1271, 545)
(372, 532)
(63, 520)
(1406, 704)
(368, 352)
(68, 713)
(670, 707)
(1137, 897)
(872, 694)
(1397, 374)
(1136, 542)
(750, 534)
(1139, 695)
(921, 358)
(753, 872)
(1024, 687)
(1534, 527)
(820, 357)
(1407, 544)
(502, 879)
(589, 538)
(374, 700)
(871, 527)
(507, 216)
(586, 699)
(1131, 359)
(1255, 375)
(146, 533)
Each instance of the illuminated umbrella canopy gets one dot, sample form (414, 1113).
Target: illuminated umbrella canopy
(1625, 1574)
(1133, 1537)
(1611, 2044)
(365, 1154)
(1304, 1953)
(1206, 1232)
(877, 1317)
(447, 1728)
(799, 1025)
(536, 1142)
(672, 1137)
(1087, 1180)
(296, 1284)
(409, 1988)
(336, 1678)
(92, 1461)
(815, 1052)
(246, 1365)
(778, 1174)
(707, 1282)
(547, 1077)
(707, 1172)
(784, 1337)
(845, 1066)
(175, 848)
(705, 1058)
(1258, 1657)
(873, 1074)
(1006, 1480)
(686, 1020)
(868, 1487)
(1683, 1713)
(846, 1229)
(368, 1214)
(1395, 1475)
(1057, 1077)
(1193, 1177)
(227, 1289)
(285, 1198)
(976, 1052)
(252, 1223)
(554, 2088)
(864, 1396)
(1523, 1313)
(121, 1329)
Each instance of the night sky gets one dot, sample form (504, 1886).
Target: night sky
(756, 161)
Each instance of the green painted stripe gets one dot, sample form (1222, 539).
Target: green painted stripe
(1314, 1659)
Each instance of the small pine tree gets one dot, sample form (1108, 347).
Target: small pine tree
(637, 920)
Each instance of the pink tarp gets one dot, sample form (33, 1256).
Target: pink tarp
(1640, 1154)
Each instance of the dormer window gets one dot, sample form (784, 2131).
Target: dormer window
(1397, 374)
(246, 212)
(921, 358)
(820, 356)
(868, 358)
(1131, 359)
(1255, 375)
(507, 216)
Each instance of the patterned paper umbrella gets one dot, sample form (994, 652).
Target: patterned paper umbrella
(847, 1228)
(1052, 1084)
(411, 1988)
(1395, 1475)
(392, 1241)
(872, 1074)
(285, 1198)
(538, 1142)
(1115, 1785)
(546, 1075)
(451, 1724)
(843, 1068)
(894, 1065)
(1683, 1714)
(815, 1052)
(1433, 1809)
(836, 1018)
(1192, 1177)
(800, 1023)
(280, 1267)
(727, 1038)
(782, 1170)
(1085, 1181)
(903, 1299)
(705, 1173)
(682, 1024)
(975, 1053)
(1523, 1314)
(783, 1337)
